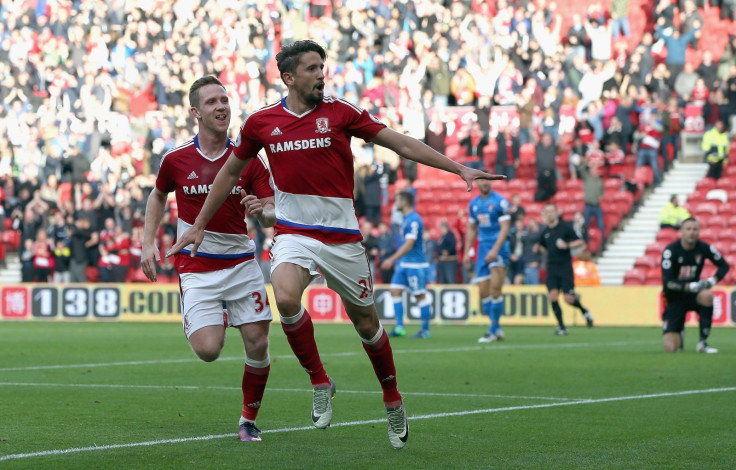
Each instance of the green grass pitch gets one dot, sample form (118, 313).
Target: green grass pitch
(126, 395)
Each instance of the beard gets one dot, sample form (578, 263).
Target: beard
(315, 97)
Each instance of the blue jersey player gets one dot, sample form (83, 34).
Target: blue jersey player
(489, 221)
(412, 267)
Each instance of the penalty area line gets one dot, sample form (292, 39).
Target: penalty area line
(210, 437)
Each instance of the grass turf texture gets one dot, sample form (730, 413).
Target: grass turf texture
(600, 398)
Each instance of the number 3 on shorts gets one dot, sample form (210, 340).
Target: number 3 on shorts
(258, 299)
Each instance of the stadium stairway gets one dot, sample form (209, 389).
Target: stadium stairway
(641, 229)
(11, 272)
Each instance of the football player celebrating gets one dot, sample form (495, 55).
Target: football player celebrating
(224, 284)
(306, 137)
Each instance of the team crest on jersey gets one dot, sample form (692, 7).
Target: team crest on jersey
(323, 125)
(698, 258)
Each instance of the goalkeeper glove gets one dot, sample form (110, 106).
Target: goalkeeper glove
(710, 282)
(695, 286)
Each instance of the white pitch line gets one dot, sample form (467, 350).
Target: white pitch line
(287, 390)
(340, 354)
(360, 423)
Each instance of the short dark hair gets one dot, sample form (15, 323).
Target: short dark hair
(288, 57)
(407, 197)
(199, 83)
(689, 219)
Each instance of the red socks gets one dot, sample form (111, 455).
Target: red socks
(382, 358)
(300, 335)
(254, 382)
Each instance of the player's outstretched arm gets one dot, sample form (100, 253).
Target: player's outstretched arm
(263, 209)
(226, 178)
(154, 213)
(413, 149)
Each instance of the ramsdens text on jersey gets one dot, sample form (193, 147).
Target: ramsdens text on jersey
(303, 144)
(204, 189)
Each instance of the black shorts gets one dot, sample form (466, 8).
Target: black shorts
(561, 277)
(675, 309)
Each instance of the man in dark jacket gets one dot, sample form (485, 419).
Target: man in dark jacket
(546, 168)
(447, 255)
(507, 155)
(473, 142)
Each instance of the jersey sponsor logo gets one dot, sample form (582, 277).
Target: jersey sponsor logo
(323, 125)
(192, 176)
(276, 131)
(196, 189)
(291, 145)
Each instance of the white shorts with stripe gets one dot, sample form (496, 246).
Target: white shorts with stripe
(343, 265)
(232, 296)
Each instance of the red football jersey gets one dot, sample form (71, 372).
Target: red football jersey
(190, 173)
(312, 165)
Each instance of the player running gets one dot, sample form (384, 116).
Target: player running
(490, 222)
(224, 284)
(411, 273)
(558, 238)
(682, 263)
(306, 137)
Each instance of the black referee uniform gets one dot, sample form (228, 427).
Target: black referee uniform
(559, 262)
(560, 275)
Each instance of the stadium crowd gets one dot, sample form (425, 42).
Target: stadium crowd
(94, 94)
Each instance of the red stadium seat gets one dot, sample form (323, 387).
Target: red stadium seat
(644, 175)
(612, 183)
(528, 154)
(611, 221)
(729, 170)
(655, 248)
(635, 277)
(647, 261)
(561, 197)
(625, 196)
(667, 235)
(719, 223)
(573, 185)
(706, 184)
(654, 276)
(11, 238)
(516, 186)
(707, 208)
(726, 182)
(93, 274)
(709, 234)
(594, 239)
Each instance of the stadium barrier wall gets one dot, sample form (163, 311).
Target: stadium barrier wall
(452, 304)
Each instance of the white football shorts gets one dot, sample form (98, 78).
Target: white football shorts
(343, 265)
(232, 296)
